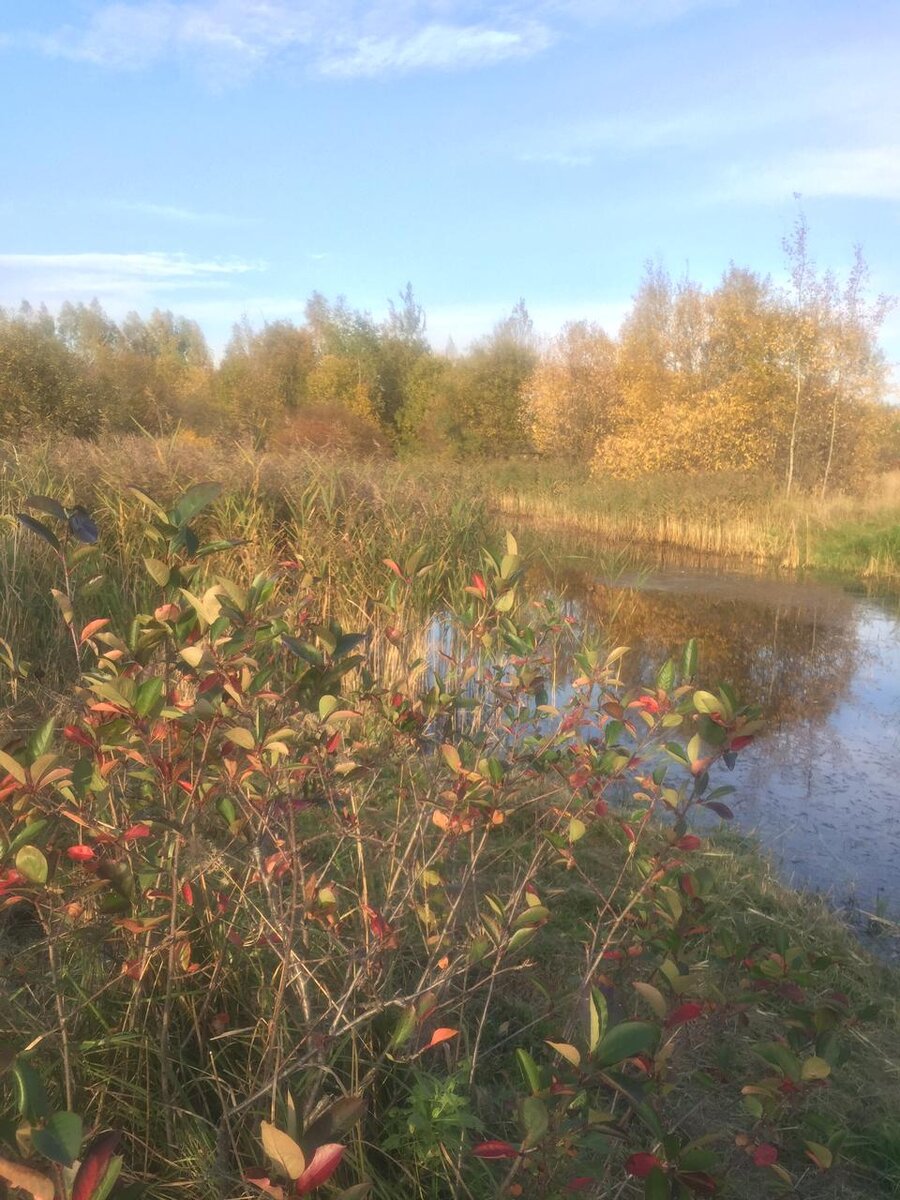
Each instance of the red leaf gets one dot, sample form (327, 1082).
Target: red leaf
(479, 584)
(765, 1154)
(690, 841)
(581, 1183)
(135, 832)
(73, 734)
(333, 744)
(93, 1165)
(81, 853)
(187, 894)
(389, 562)
(740, 743)
(442, 1035)
(684, 1013)
(699, 1182)
(259, 1179)
(381, 928)
(321, 1167)
(641, 1164)
(495, 1150)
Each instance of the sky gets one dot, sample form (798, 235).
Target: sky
(226, 158)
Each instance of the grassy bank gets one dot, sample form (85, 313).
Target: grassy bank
(290, 913)
(742, 517)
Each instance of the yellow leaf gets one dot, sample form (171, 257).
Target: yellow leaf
(282, 1150)
(569, 1053)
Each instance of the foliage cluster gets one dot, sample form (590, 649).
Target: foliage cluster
(748, 377)
(283, 922)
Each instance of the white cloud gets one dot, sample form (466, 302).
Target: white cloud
(127, 278)
(436, 47)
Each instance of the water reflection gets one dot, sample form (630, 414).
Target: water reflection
(821, 787)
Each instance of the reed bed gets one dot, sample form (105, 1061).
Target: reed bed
(730, 516)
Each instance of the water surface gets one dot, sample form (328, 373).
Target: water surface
(821, 786)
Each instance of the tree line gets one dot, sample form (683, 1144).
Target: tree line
(747, 376)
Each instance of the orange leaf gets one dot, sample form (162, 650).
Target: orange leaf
(93, 627)
(442, 1035)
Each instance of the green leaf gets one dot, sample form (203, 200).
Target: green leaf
(31, 863)
(451, 757)
(653, 996)
(42, 738)
(536, 914)
(535, 1119)
(60, 1139)
(625, 1040)
(689, 660)
(64, 604)
(665, 677)
(814, 1068)
(26, 836)
(240, 736)
(46, 504)
(780, 1057)
(821, 1155)
(31, 1096)
(41, 530)
(505, 602)
(706, 702)
(158, 571)
(404, 1028)
(328, 1127)
(520, 938)
(194, 500)
(530, 1070)
(656, 1186)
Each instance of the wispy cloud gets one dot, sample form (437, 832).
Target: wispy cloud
(557, 158)
(135, 35)
(176, 213)
(436, 47)
(229, 39)
(136, 276)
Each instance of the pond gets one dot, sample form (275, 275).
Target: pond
(821, 786)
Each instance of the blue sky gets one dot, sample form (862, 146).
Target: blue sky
(222, 157)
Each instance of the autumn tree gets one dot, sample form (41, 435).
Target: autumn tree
(264, 375)
(837, 370)
(571, 398)
(488, 384)
(42, 386)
